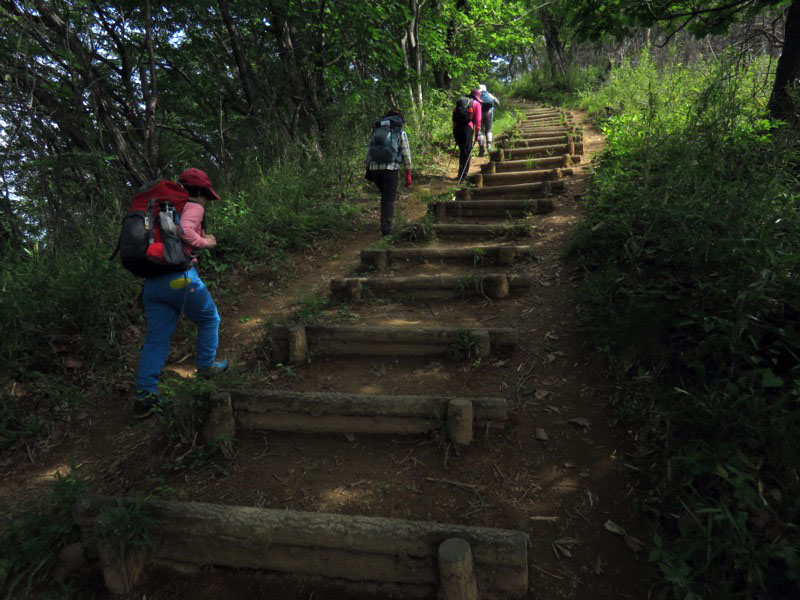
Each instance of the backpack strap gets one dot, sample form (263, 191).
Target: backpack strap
(150, 204)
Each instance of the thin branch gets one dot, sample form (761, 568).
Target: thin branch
(701, 11)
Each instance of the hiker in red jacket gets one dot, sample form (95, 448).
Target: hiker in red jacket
(466, 128)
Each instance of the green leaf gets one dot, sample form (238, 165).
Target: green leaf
(770, 380)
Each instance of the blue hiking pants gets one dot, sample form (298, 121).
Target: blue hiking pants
(165, 297)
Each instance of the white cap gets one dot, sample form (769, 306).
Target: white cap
(482, 87)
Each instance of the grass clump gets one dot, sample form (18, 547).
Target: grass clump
(464, 347)
(31, 542)
(692, 240)
(310, 309)
(127, 527)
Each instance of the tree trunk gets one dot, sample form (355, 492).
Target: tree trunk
(555, 46)
(238, 55)
(781, 104)
(415, 56)
(150, 95)
(440, 74)
(301, 93)
(407, 65)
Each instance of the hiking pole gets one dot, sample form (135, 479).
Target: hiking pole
(466, 164)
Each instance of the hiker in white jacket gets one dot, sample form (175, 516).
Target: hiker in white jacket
(488, 102)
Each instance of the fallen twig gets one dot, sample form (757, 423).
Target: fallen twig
(525, 493)
(541, 570)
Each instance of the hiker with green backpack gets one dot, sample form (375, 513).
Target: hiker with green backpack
(488, 102)
(466, 128)
(387, 149)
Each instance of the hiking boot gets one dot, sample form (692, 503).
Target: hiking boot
(480, 150)
(217, 368)
(146, 404)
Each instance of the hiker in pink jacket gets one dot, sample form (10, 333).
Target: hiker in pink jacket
(466, 128)
(194, 238)
(168, 296)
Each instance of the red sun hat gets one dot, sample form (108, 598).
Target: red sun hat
(197, 178)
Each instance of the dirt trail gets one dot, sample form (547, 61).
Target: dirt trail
(555, 471)
(562, 490)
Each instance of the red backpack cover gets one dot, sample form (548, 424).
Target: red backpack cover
(149, 243)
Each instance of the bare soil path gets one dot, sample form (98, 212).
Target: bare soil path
(555, 471)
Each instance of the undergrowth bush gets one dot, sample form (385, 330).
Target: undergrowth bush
(263, 216)
(692, 239)
(540, 85)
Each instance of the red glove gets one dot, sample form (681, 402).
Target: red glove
(408, 178)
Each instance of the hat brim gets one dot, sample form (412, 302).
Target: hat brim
(214, 194)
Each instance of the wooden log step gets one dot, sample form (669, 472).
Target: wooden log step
(538, 125)
(552, 122)
(381, 259)
(540, 152)
(542, 124)
(513, 143)
(417, 231)
(518, 190)
(554, 116)
(532, 117)
(532, 176)
(491, 285)
(536, 128)
(530, 164)
(398, 555)
(521, 143)
(537, 135)
(316, 412)
(545, 128)
(538, 121)
(456, 577)
(490, 208)
(387, 341)
(542, 112)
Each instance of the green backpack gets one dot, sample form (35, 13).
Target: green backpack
(384, 143)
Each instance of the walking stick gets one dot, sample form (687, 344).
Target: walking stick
(466, 164)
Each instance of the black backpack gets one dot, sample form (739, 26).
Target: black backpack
(462, 113)
(385, 147)
(149, 242)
